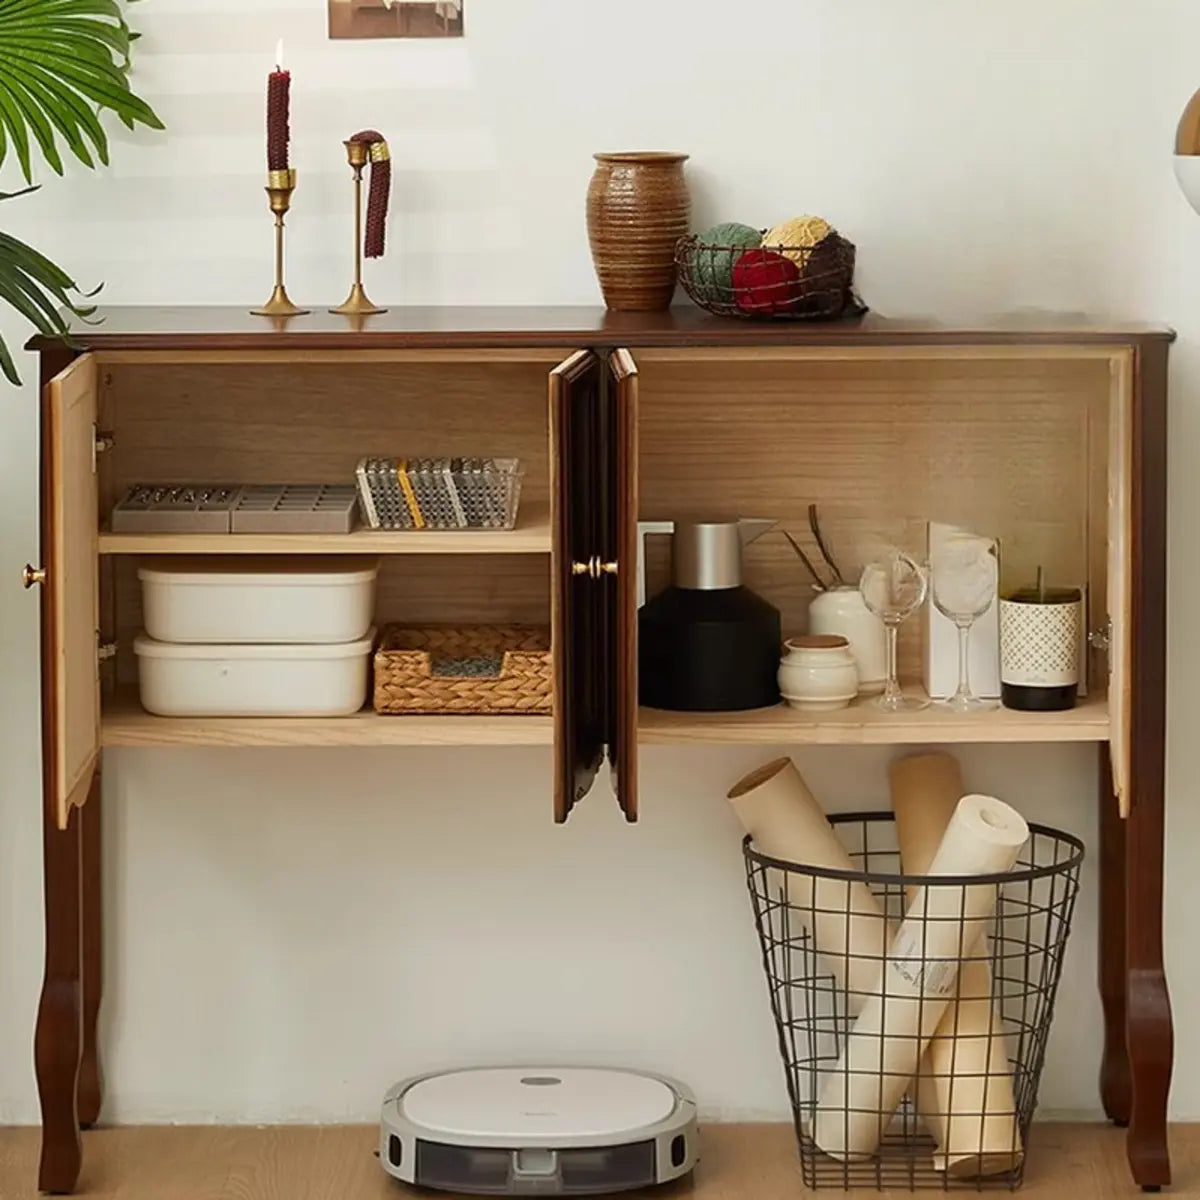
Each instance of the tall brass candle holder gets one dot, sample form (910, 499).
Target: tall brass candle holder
(280, 186)
(358, 303)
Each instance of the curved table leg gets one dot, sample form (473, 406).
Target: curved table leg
(58, 1043)
(1116, 1088)
(91, 1078)
(1149, 1031)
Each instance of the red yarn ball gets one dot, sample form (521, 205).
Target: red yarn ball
(765, 282)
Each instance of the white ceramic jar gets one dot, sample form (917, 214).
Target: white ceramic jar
(843, 612)
(818, 674)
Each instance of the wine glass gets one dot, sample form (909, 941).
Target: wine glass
(893, 588)
(965, 571)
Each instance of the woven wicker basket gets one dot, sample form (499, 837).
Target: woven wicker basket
(407, 678)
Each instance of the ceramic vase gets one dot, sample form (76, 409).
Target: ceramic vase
(817, 674)
(638, 208)
(843, 612)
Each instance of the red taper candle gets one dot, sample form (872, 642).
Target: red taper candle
(279, 85)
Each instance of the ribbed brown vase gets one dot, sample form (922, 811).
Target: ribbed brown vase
(638, 208)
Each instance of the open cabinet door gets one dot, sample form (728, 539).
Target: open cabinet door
(620, 580)
(576, 486)
(1120, 581)
(71, 599)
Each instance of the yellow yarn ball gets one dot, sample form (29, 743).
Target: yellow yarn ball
(796, 236)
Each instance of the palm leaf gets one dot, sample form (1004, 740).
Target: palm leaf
(63, 62)
(63, 65)
(40, 291)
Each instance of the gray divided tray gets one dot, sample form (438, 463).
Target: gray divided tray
(236, 508)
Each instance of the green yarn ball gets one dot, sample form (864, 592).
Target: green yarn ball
(712, 270)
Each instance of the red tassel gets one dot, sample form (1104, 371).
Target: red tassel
(378, 196)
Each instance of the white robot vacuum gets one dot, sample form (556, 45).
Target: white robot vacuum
(531, 1131)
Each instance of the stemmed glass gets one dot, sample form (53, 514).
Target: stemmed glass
(965, 571)
(893, 588)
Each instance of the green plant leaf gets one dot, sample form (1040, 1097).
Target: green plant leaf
(40, 290)
(63, 64)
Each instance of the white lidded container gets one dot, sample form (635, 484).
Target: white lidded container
(253, 681)
(258, 601)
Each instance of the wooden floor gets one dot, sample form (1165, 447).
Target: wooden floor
(740, 1162)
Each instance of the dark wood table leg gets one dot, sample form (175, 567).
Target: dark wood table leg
(58, 1043)
(91, 1078)
(1116, 1089)
(1148, 1030)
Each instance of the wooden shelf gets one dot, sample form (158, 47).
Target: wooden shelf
(864, 725)
(126, 723)
(532, 536)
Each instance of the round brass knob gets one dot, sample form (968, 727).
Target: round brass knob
(33, 576)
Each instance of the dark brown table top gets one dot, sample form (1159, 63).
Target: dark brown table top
(568, 327)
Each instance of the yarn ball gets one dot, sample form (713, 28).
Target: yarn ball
(796, 237)
(713, 255)
(827, 277)
(765, 282)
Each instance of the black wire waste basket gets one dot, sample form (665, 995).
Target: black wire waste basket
(965, 1117)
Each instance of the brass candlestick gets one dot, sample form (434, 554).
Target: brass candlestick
(280, 186)
(358, 303)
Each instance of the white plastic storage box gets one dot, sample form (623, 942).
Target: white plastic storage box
(253, 681)
(258, 601)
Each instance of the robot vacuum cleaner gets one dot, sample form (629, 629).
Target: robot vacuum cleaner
(530, 1131)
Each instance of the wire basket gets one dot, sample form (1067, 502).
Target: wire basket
(814, 1012)
(779, 282)
(440, 493)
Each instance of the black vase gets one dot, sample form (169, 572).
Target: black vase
(709, 651)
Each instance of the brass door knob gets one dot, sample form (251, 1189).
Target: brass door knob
(595, 567)
(33, 576)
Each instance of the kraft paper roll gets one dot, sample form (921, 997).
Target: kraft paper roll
(965, 1088)
(845, 920)
(918, 980)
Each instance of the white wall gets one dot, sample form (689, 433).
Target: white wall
(290, 932)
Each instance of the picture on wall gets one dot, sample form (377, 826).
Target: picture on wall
(395, 18)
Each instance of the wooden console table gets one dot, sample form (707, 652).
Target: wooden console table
(1053, 437)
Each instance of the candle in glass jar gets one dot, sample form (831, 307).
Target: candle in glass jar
(279, 84)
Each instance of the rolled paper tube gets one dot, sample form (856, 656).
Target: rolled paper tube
(844, 918)
(965, 1087)
(943, 925)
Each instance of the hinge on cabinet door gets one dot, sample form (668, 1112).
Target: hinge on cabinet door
(1101, 639)
(102, 441)
(106, 651)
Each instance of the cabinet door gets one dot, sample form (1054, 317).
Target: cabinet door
(620, 579)
(576, 391)
(71, 600)
(1120, 580)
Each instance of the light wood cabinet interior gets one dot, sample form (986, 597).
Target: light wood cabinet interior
(1016, 444)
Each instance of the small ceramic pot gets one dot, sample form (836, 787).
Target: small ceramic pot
(843, 612)
(817, 673)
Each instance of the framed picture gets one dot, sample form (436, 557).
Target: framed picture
(395, 18)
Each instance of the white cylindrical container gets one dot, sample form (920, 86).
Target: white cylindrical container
(253, 681)
(818, 674)
(258, 601)
(843, 612)
(1041, 638)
